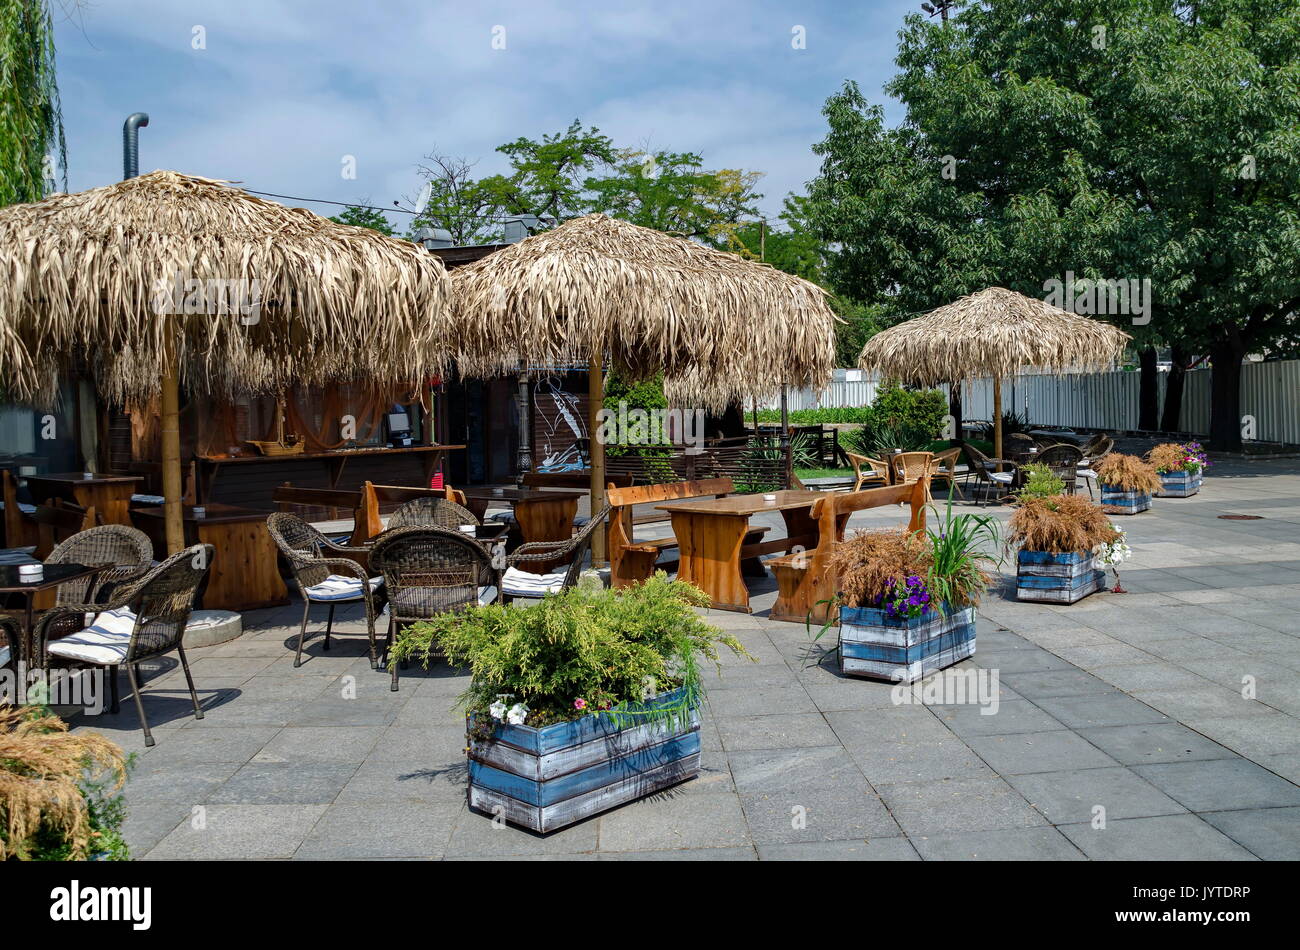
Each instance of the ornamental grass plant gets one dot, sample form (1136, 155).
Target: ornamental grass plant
(1059, 524)
(1177, 457)
(1128, 473)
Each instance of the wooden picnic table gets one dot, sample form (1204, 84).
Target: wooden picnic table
(542, 515)
(109, 495)
(710, 534)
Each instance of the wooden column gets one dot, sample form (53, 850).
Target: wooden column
(171, 446)
(997, 419)
(596, 401)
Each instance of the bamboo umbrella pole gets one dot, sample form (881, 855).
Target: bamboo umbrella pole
(596, 401)
(997, 418)
(171, 446)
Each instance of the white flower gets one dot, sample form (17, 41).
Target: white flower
(517, 714)
(498, 710)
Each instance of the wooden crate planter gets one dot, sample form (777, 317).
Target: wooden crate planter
(547, 778)
(1124, 502)
(1179, 484)
(903, 651)
(1057, 578)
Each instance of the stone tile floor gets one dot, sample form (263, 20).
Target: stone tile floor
(1172, 708)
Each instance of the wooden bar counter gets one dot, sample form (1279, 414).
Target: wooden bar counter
(109, 495)
(244, 573)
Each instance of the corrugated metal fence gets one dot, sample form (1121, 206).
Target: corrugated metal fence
(1270, 396)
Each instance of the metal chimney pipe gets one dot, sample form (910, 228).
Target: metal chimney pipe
(131, 143)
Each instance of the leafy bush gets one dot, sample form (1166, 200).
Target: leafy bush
(824, 415)
(1127, 473)
(59, 796)
(578, 652)
(1060, 524)
(1040, 482)
(647, 395)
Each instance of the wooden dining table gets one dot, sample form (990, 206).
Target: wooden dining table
(542, 514)
(710, 536)
(109, 495)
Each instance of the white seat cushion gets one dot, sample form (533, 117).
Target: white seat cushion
(17, 556)
(1002, 478)
(519, 583)
(502, 517)
(23, 507)
(104, 642)
(337, 587)
(1087, 473)
(149, 499)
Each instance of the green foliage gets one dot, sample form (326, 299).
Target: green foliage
(634, 439)
(363, 217)
(1121, 140)
(825, 415)
(907, 419)
(1040, 482)
(605, 647)
(106, 812)
(961, 548)
(31, 118)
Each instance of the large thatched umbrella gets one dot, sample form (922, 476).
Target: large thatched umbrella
(995, 332)
(100, 278)
(718, 326)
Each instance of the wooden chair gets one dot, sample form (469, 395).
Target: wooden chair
(876, 473)
(632, 561)
(804, 580)
(454, 495)
(20, 529)
(290, 499)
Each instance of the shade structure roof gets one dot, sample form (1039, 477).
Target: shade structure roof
(718, 326)
(995, 332)
(101, 276)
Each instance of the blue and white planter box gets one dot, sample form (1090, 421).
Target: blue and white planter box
(547, 778)
(1057, 578)
(1124, 502)
(1179, 484)
(903, 651)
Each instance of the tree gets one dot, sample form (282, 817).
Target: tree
(364, 217)
(1137, 139)
(31, 120)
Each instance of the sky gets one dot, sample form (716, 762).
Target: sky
(286, 97)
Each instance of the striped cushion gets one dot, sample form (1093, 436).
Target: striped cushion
(23, 507)
(103, 642)
(519, 583)
(17, 556)
(1002, 478)
(149, 499)
(337, 587)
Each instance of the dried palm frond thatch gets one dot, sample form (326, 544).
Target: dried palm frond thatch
(83, 277)
(42, 766)
(1059, 524)
(716, 325)
(995, 332)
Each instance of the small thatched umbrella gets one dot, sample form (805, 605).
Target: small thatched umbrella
(995, 332)
(718, 326)
(101, 277)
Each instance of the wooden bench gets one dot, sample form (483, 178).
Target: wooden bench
(632, 561)
(804, 579)
(288, 497)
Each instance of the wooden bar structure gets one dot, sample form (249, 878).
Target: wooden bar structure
(109, 495)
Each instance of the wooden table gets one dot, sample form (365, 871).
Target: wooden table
(53, 575)
(542, 515)
(109, 495)
(244, 574)
(710, 534)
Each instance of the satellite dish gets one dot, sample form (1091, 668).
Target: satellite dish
(422, 202)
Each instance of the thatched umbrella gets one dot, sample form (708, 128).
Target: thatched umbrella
(718, 326)
(995, 332)
(101, 277)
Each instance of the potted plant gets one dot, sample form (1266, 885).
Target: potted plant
(1058, 538)
(59, 793)
(1127, 483)
(1181, 467)
(907, 600)
(580, 703)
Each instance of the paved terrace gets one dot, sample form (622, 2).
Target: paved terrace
(1130, 702)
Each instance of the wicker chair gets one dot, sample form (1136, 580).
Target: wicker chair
(327, 573)
(983, 470)
(11, 654)
(1064, 461)
(1094, 452)
(517, 582)
(126, 553)
(431, 512)
(875, 473)
(142, 619)
(944, 469)
(429, 571)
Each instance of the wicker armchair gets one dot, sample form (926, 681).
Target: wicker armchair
(1096, 449)
(1064, 461)
(11, 654)
(944, 469)
(126, 553)
(517, 582)
(984, 470)
(429, 571)
(431, 512)
(327, 573)
(142, 619)
(876, 472)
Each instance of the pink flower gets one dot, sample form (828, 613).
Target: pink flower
(579, 703)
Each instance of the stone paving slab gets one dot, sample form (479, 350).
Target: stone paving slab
(1132, 702)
